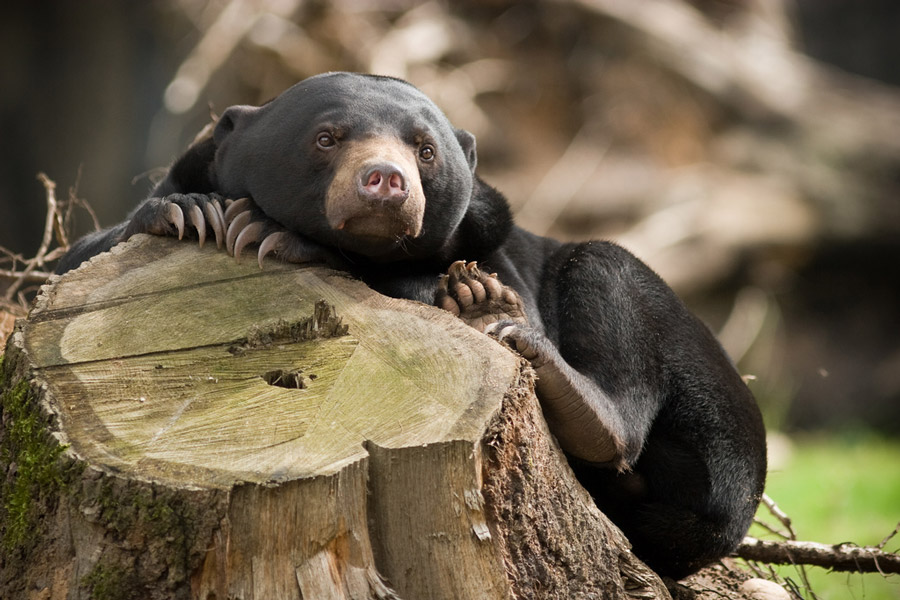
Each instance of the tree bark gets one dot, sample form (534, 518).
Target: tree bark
(177, 425)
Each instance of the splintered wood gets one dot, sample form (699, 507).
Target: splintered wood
(232, 432)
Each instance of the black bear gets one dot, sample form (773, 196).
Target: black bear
(366, 174)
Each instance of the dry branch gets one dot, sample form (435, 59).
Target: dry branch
(888, 537)
(838, 557)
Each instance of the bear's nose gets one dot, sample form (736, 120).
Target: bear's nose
(383, 183)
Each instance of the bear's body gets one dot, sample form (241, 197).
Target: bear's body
(366, 174)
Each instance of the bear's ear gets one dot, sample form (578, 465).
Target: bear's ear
(230, 120)
(467, 143)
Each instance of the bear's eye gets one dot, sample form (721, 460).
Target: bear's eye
(426, 152)
(325, 140)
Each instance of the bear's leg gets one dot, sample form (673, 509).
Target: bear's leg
(580, 415)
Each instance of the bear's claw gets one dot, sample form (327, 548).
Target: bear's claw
(199, 223)
(250, 234)
(240, 224)
(236, 207)
(216, 219)
(247, 224)
(175, 216)
(274, 242)
(235, 226)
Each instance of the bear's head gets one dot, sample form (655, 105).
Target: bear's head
(363, 163)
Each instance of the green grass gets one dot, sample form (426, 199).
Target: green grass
(843, 488)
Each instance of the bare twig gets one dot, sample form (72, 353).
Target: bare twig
(32, 276)
(25, 275)
(64, 224)
(31, 273)
(52, 218)
(770, 529)
(779, 514)
(839, 557)
(790, 536)
(884, 542)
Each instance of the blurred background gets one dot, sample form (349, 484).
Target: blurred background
(748, 150)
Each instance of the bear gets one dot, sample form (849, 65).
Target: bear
(365, 173)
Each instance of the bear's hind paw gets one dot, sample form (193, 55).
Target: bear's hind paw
(478, 298)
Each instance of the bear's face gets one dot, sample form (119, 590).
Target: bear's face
(361, 163)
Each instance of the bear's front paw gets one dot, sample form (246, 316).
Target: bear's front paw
(478, 298)
(248, 224)
(167, 216)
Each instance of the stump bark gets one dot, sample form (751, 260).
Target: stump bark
(178, 425)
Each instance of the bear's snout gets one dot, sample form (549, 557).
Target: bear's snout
(375, 200)
(383, 184)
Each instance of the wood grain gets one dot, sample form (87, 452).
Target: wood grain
(139, 364)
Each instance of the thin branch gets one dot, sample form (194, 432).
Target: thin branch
(52, 218)
(39, 259)
(32, 276)
(779, 514)
(791, 535)
(839, 557)
(26, 275)
(64, 221)
(884, 542)
(770, 529)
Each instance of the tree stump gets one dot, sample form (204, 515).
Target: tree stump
(178, 425)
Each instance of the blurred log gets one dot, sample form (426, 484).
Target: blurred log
(755, 70)
(177, 425)
(831, 134)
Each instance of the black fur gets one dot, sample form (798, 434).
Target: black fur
(691, 467)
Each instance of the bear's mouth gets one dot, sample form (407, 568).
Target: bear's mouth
(379, 226)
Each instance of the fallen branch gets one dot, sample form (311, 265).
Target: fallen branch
(839, 557)
(791, 535)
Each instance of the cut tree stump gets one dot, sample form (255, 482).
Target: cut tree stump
(178, 425)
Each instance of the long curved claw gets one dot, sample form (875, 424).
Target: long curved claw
(221, 212)
(199, 223)
(235, 208)
(216, 221)
(272, 243)
(248, 235)
(234, 229)
(175, 216)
